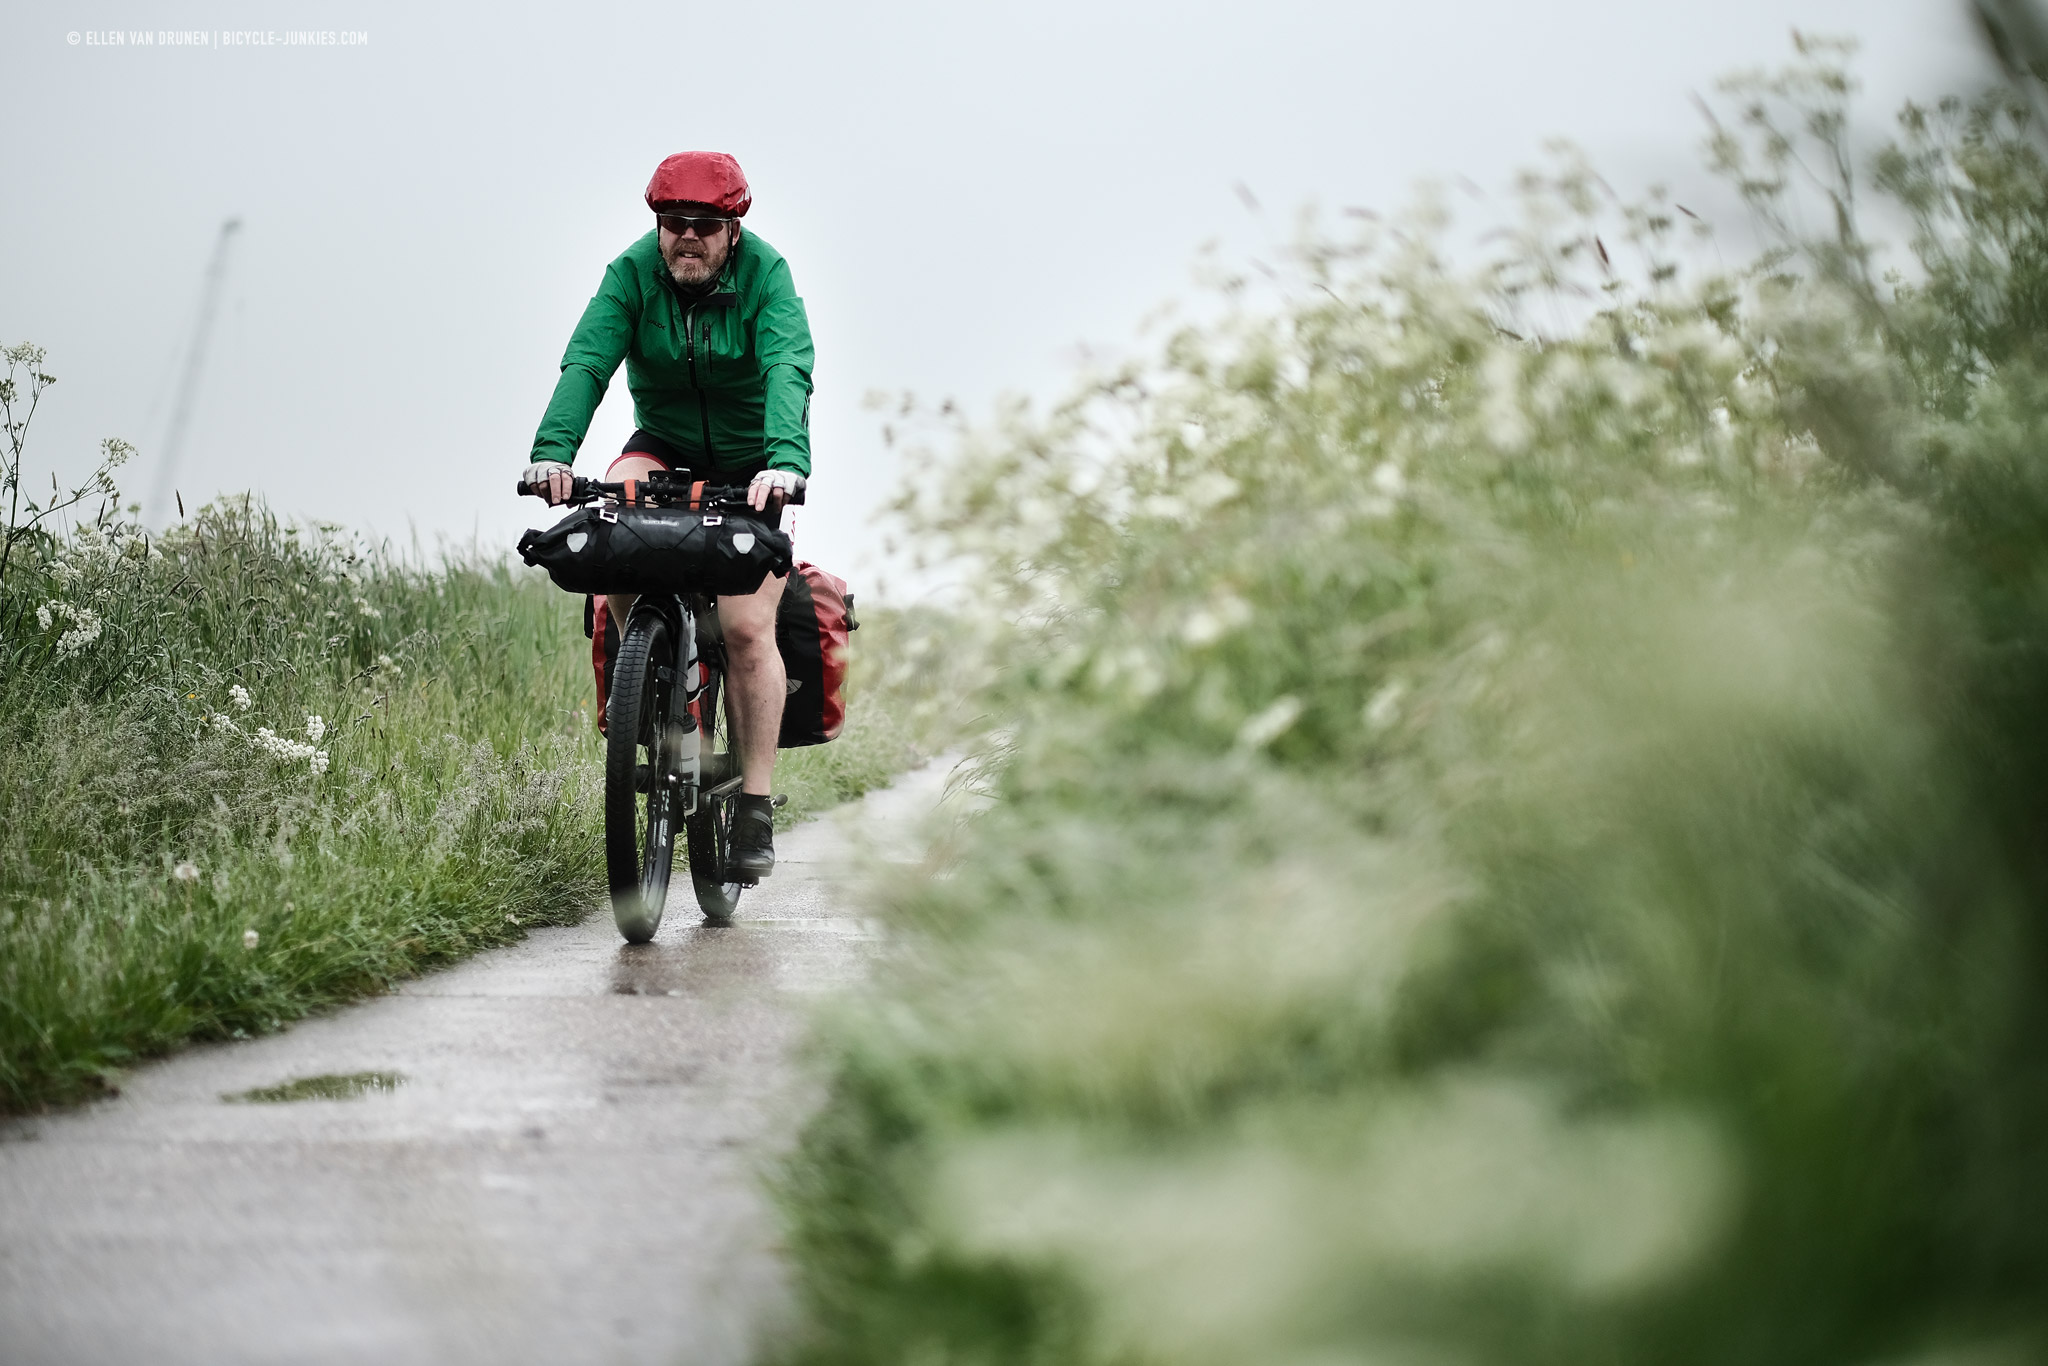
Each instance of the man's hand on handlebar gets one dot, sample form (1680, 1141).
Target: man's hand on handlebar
(553, 481)
(771, 489)
(549, 479)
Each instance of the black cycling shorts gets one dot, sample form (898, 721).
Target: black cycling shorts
(643, 442)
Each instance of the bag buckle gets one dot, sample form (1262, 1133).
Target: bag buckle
(607, 514)
(713, 520)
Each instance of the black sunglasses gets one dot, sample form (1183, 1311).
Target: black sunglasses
(679, 224)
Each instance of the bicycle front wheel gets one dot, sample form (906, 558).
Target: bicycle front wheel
(707, 829)
(640, 801)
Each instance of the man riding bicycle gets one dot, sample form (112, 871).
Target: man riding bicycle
(718, 359)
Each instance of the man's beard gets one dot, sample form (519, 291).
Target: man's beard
(702, 263)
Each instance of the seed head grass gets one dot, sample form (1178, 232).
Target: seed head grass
(1516, 809)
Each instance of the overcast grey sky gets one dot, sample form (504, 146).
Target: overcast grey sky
(967, 194)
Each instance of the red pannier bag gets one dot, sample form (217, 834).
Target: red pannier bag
(811, 627)
(604, 648)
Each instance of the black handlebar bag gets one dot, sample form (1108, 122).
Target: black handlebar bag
(604, 549)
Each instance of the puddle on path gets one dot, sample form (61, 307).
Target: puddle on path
(330, 1086)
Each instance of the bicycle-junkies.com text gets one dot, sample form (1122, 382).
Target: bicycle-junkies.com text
(219, 37)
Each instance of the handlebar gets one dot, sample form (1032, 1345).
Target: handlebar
(663, 490)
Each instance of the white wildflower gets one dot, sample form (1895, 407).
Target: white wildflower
(1388, 479)
(43, 615)
(1206, 625)
(85, 629)
(1165, 506)
(1269, 725)
(1383, 708)
(1501, 408)
(364, 609)
(222, 721)
(390, 666)
(281, 747)
(239, 695)
(186, 871)
(250, 938)
(317, 761)
(1209, 489)
(315, 728)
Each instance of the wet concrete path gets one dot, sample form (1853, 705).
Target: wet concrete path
(568, 1172)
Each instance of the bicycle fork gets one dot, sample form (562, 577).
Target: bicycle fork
(677, 753)
(685, 735)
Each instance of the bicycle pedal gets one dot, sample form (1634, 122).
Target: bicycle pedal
(780, 799)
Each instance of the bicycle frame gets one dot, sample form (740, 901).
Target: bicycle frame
(699, 774)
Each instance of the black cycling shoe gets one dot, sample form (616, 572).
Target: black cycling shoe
(751, 853)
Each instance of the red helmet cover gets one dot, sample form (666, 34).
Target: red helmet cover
(701, 178)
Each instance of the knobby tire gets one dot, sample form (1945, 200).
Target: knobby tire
(639, 827)
(707, 830)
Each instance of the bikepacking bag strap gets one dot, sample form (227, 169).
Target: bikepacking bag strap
(811, 626)
(604, 549)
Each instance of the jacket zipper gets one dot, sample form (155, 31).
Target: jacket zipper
(690, 354)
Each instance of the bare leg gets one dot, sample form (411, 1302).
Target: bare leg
(754, 680)
(620, 605)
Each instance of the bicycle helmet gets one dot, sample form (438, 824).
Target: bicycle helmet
(711, 178)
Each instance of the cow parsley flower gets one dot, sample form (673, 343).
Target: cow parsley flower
(239, 695)
(250, 939)
(1269, 725)
(1383, 709)
(315, 728)
(281, 747)
(85, 626)
(186, 871)
(85, 629)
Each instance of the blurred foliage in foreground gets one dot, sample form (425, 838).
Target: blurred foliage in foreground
(248, 769)
(1520, 814)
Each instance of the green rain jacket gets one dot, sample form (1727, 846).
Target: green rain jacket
(724, 377)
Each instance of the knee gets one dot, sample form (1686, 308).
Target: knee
(748, 633)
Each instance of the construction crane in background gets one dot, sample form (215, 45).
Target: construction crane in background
(188, 382)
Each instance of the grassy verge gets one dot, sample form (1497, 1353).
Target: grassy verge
(186, 852)
(249, 769)
(1519, 818)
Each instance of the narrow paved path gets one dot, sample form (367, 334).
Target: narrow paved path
(568, 1172)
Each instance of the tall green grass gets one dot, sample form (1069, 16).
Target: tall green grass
(185, 852)
(248, 769)
(1519, 813)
